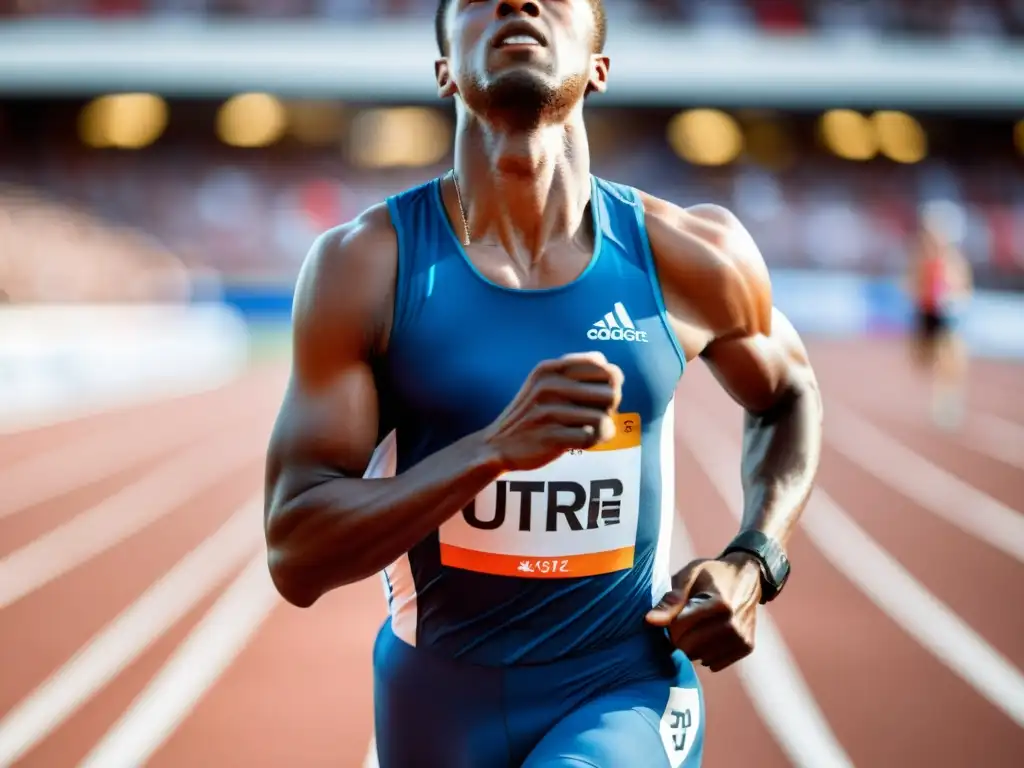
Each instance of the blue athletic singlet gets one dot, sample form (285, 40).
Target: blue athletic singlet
(516, 636)
(560, 560)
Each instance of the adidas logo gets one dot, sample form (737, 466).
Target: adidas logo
(617, 326)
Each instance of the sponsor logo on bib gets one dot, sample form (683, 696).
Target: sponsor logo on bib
(576, 516)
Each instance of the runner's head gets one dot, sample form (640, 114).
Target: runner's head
(532, 59)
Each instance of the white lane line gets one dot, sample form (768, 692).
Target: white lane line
(770, 676)
(195, 667)
(114, 519)
(97, 404)
(125, 638)
(879, 576)
(997, 437)
(927, 484)
(75, 464)
(982, 433)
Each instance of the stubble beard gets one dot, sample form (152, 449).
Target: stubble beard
(522, 101)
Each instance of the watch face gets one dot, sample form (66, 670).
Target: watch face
(783, 570)
(783, 564)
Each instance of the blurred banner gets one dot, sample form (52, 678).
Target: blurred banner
(842, 305)
(653, 65)
(77, 358)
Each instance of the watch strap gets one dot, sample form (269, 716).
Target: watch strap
(771, 557)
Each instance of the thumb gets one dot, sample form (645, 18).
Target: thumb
(667, 609)
(665, 612)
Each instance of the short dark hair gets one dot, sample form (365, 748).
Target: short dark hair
(442, 35)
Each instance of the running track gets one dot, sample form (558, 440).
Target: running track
(138, 625)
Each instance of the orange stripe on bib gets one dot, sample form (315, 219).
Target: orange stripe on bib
(526, 567)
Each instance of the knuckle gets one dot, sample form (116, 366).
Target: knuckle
(545, 368)
(543, 381)
(544, 414)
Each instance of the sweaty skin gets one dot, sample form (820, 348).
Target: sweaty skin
(524, 178)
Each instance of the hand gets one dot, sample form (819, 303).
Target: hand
(564, 404)
(711, 612)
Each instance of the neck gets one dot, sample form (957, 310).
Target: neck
(524, 190)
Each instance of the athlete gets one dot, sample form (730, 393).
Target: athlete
(940, 281)
(481, 407)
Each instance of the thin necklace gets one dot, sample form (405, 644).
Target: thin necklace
(462, 210)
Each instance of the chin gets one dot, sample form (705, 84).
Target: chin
(520, 83)
(523, 96)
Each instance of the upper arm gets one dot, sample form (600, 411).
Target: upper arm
(713, 273)
(328, 422)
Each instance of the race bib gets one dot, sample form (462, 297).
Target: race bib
(576, 516)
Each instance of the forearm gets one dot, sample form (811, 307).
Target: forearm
(346, 529)
(781, 451)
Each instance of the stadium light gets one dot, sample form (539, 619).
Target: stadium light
(705, 137)
(848, 134)
(900, 137)
(403, 136)
(768, 144)
(251, 120)
(316, 123)
(123, 121)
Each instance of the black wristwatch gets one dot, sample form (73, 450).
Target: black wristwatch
(769, 553)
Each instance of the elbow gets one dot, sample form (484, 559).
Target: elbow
(803, 393)
(286, 565)
(287, 580)
(309, 553)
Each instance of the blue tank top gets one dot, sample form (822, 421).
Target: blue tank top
(567, 558)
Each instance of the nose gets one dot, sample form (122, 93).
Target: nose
(518, 7)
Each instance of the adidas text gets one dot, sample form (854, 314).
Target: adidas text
(617, 334)
(617, 325)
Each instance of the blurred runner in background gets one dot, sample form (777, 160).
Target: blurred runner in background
(940, 283)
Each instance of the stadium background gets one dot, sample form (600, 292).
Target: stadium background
(164, 166)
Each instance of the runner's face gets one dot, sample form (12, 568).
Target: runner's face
(548, 43)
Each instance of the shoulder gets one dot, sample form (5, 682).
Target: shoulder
(346, 282)
(706, 257)
(348, 257)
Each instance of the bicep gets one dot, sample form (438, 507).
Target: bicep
(327, 426)
(757, 370)
(323, 431)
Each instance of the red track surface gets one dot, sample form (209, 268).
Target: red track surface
(297, 690)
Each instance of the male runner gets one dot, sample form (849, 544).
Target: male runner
(497, 352)
(940, 281)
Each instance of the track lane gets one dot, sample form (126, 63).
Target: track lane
(976, 581)
(956, 566)
(86, 598)
(125, 421)
(299, 694)
(69, 743)
(885, 366)
(855, 657)
(20, 530)
(990, 475)
(104, 451)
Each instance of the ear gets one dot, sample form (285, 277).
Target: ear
(446, 87)
(599, 65)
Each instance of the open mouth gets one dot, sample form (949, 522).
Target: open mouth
(518, 34)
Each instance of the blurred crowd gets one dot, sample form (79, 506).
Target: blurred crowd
(248, 217)
(972, 18)
(53, 251)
